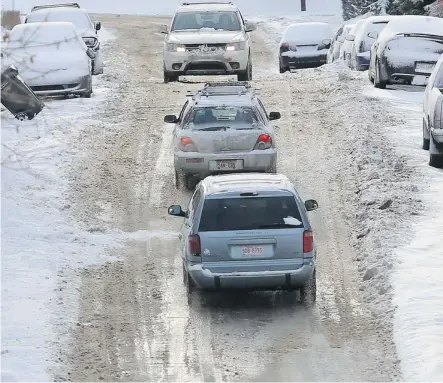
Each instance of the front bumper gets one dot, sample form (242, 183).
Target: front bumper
(299, 60)
(198, 164)
(188, 63)
(402, 74)
(256, 280)
(78, 86)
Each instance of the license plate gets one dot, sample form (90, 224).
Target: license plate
(226, 165)
(252, 250)
(424, 67)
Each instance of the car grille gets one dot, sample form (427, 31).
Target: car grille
(53, 87)
(204, 47)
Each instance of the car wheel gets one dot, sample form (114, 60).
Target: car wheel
(371, 79)
(282, 68)
(247, 74)
(377, 82)
(88, 93)
(190, 182)
(97, 64)
(308, 292)
(426, 141)
(435, 155)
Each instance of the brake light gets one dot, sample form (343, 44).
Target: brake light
(308, 241)
(187, 145)
(284, 47)
(264, 142)
(194, 244)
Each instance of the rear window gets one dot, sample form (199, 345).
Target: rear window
(250, 213)
(231, 115)
(417, 44)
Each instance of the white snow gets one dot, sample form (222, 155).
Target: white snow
(79, 18)
(371, 24)
(307, 33)
(408, 50)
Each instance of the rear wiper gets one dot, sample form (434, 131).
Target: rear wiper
(277, 226)
(215, 128)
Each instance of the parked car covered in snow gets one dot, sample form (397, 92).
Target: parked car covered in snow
(363, 41)
(346, 49)
(337, 42)
(305, 45)
(71, 12)
(51, 58)
(433, 116)
(406, 51)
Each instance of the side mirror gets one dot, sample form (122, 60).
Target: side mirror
(176, 211)
(274, 116)
(250, 27)
(350, 37)
(170, 119)
(90, 53)
(98, 25)
(311, 204)
(373, 35)
(163, 28)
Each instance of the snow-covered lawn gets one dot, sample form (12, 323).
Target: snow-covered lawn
(38, 241)
(417, 279)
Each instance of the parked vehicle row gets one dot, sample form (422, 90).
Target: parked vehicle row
(56, 50)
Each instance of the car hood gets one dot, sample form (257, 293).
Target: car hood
(204, 36)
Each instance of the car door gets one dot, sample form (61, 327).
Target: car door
(188, 223)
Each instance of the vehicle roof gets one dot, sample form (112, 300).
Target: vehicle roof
(56, 25)
(56, 10)
(234, 100)
(207, 7)
(246, 182)
(426, 25)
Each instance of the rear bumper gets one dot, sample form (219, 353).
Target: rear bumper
(292, 62)
(363, 60)
(400, 74)
(197, 164)
(258, 280)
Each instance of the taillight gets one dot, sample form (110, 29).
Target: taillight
(308, 241)
(264, 142)
(284, 47)
(194, 244)
(187, 145)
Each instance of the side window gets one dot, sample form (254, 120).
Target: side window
(193, 204)
(263, 108)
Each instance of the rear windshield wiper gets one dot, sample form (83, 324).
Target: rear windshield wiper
(215, 128)
(278, 226)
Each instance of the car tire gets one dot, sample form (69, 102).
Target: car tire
(308, 292)
(97, 64)
(435, 155)
(190, 182)
(88, 93)
(167, 77)
(377, 82)
(371, 79)
(247, 74)
(426, 141)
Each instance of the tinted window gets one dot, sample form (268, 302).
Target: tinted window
(221, 116)
(250, 213)
(227, 21)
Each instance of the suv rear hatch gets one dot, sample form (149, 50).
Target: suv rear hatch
(250, 232)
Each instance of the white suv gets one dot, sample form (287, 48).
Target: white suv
(207, 39)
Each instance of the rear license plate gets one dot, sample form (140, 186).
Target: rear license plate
(252, 250)
(424, 67)
(226, 165)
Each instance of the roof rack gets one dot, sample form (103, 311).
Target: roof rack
(37, 7)
(209, 2)
(228, 83)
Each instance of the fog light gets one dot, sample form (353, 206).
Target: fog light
(234, 65)
(176, 66)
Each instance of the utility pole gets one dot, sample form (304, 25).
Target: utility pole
(303, 5)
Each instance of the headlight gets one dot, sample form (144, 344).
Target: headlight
(176, 48)
(238, 46)
(90, 41)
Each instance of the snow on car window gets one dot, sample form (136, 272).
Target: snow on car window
(250, 214)
(227, 21)
(403, 49)
(307, 33)
(80, 19)
(232, 114)
(51, 36)
(367, 42)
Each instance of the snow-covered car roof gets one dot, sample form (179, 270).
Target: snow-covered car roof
(214, 7)
(310, 31)
(425, 25)
(371, 24)
(44, 35)
(79, 17)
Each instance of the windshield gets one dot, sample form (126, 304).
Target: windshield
(79, 19)
(232, 116)
(250, 213)
(227, 21)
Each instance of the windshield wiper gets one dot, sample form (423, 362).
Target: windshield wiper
(215, 128)
(278, 226)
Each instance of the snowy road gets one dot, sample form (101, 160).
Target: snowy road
(134, 322)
